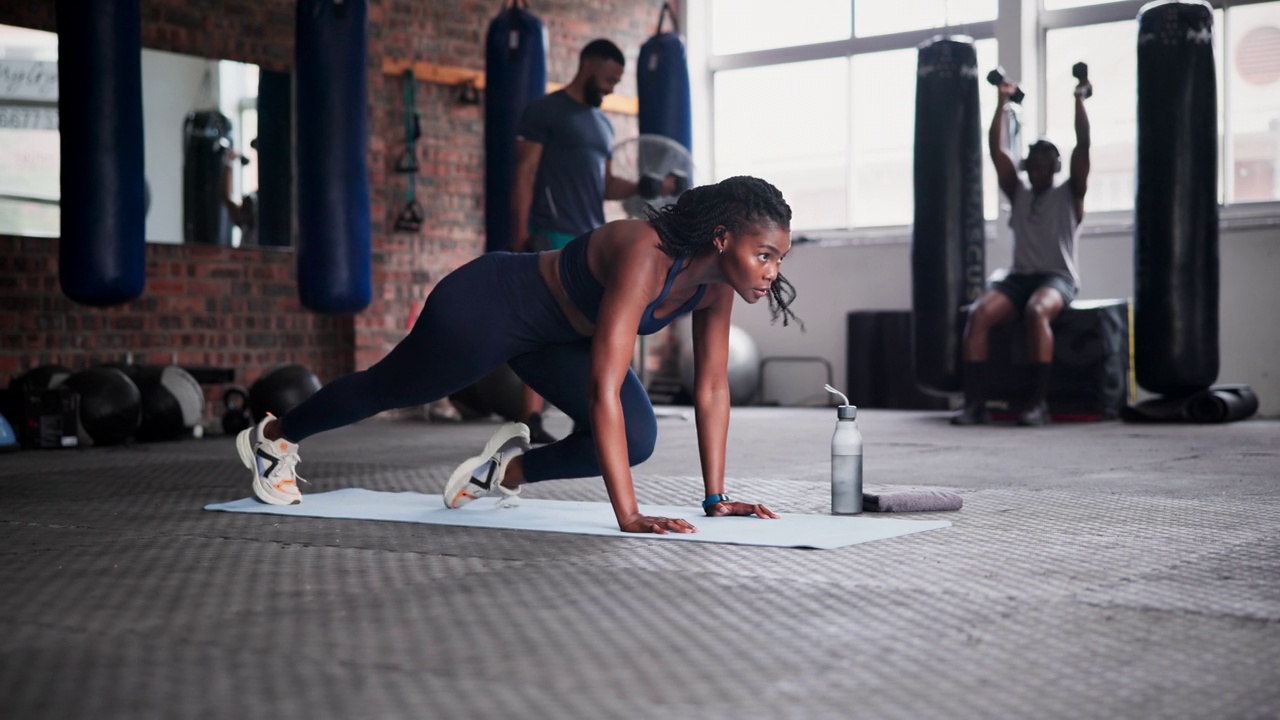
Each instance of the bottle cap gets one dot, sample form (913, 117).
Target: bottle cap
(847, 412)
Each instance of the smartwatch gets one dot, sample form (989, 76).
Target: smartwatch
(713, 499)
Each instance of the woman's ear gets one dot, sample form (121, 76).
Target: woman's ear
(720, 237)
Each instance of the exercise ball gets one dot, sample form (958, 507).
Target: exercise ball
(744, 364)
(502, 392)
(8, 439)
(110, 404)
(281, 390)
(172, 402)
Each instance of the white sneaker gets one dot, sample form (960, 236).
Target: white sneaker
(275, 481)
(482, 474)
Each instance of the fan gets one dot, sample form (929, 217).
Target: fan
(647, 160)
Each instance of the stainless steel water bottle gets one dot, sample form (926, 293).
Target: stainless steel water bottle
(846, 460)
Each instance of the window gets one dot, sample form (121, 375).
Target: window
(1113, 109)
(1248, 104)
(881, 17)
(883, 135)
(1063, 4)
(1253, 91)
(745, 25)
(778, 115)
(788, 124)
(29, 143)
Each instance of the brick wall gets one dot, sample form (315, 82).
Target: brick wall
(202, 306)
(451, 151)
(209, 305)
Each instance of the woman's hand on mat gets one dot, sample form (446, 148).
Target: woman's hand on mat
(637, 523)
(723, 509)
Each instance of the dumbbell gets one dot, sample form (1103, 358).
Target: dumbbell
(650, 185)
(1080, 71)
(995, 77)
(682, 181)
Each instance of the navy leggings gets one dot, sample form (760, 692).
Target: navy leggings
(495, 309)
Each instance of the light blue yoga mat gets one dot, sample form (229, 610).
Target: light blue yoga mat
(587, 518)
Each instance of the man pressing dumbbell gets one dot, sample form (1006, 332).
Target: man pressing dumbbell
(1044, 278)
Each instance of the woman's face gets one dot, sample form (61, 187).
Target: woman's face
(750, 260)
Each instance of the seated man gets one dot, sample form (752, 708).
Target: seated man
(1045, 223)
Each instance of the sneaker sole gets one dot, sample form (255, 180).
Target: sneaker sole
(261, 489)
(458, 480)
(461, 475)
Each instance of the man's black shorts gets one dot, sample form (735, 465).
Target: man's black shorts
(1019, 287)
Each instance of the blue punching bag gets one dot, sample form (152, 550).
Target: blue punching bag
(662, 81)
(515, 69)
(335, 273)
(102, 255)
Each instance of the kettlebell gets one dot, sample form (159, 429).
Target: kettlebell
(236, 417)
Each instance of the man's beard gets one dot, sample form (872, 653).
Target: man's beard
(591, 94)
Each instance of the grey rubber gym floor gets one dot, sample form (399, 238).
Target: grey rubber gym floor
(1096, 571)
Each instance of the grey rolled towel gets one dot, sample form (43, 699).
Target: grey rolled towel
(911, 501)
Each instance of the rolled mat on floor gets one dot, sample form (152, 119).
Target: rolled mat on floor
(911, 501)
(1217, 404)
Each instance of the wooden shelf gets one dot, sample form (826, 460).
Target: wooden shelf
(451, 75)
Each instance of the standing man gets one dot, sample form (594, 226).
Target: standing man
(1044, 279)
(564, 144)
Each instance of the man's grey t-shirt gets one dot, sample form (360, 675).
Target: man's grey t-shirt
(577, 141)
(1044, 231)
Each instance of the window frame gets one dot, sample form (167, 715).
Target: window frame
(1233, 214)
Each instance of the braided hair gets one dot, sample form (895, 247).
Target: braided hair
(687, 227)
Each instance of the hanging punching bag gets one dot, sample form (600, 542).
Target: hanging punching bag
(206, 140)
(515, 70)
(948, 252)
(275, 158)
(662, 83)
(102, 254)
(1176, 215)
(334, 251)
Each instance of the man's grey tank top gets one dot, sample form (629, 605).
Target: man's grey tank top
(1044, 231)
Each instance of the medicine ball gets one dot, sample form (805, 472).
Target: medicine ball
(13, 403)
(110, 404)
(172, 402)
(281, 390)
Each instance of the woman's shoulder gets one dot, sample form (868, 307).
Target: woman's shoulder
(627, 245)
(629, 231)
(627, 238)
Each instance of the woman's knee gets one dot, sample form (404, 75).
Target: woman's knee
(642, 429)
(641, 443)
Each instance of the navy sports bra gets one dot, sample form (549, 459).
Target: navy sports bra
(586, 292)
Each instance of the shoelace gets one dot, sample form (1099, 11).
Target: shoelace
(289, 461)
(510, 498)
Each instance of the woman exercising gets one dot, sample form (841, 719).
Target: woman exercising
(566, 321)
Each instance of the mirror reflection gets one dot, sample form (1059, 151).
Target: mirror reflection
(217, 137)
